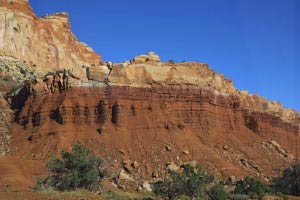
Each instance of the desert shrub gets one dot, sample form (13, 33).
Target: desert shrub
(251, 186)
(289, 183)
(76, 169)
(184, 197)
(192, 182)
(171, 62)
(114, 195)
(240, 197)
(217, 192)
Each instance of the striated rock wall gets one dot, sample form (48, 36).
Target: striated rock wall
(46, 43)
(144, 73)
(131, 123)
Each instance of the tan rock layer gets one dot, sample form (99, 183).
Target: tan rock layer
(146, 74)
(46, 43)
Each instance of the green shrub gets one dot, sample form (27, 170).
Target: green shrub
(171, 62)
(217, 192)
(77, 169)
(114, 195)
(192, 182)
(289, 183)
(184, 197)
(240, 197)
(251, 186)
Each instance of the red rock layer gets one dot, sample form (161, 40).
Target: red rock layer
(126, 123)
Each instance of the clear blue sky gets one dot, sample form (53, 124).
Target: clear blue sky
(254, 42)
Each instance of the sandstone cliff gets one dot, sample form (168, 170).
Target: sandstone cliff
(146, 72)
(46, 43)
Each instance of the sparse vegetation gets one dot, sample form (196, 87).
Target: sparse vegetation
(217, 192)
(78, 169)
(240, 197)
(192, 182)
(289, 183)
(184, 197)
(80, 193)
(113, 195)
(251, 186)
(172, 62)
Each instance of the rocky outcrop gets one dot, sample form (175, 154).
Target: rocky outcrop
(13, 76)
(98, 73)
(45, 43)
(151, 56)
(145, 73)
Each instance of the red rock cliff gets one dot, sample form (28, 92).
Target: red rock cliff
(138, 124)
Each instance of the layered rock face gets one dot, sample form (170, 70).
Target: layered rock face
(158, 125)
(145, 72)
(132, 111)
(141, 115)
(45, 43)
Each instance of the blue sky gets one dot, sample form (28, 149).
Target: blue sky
(254, 42)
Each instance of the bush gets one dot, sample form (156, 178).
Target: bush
(240, 197)
(77, 169)
(217, 192)
(114, 195)
(289, 183)
(251, 186)
(192, 182)
(184, 197)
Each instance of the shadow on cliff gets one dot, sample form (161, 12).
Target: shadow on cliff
(18, 100)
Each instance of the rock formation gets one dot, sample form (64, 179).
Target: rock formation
(46, 43)
(142, 115)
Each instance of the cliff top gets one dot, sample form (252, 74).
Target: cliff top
(46, 43)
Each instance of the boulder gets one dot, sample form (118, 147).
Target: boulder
(155, 174)
(232, 179)
(274, 143)
(186, 152)
(127, 164)
(193, 163)
(151, 56)
(147, 186)
(124, 176)
(135, 164)
(97, 73)
(168, 148)
(172, 167)
(140, 59)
